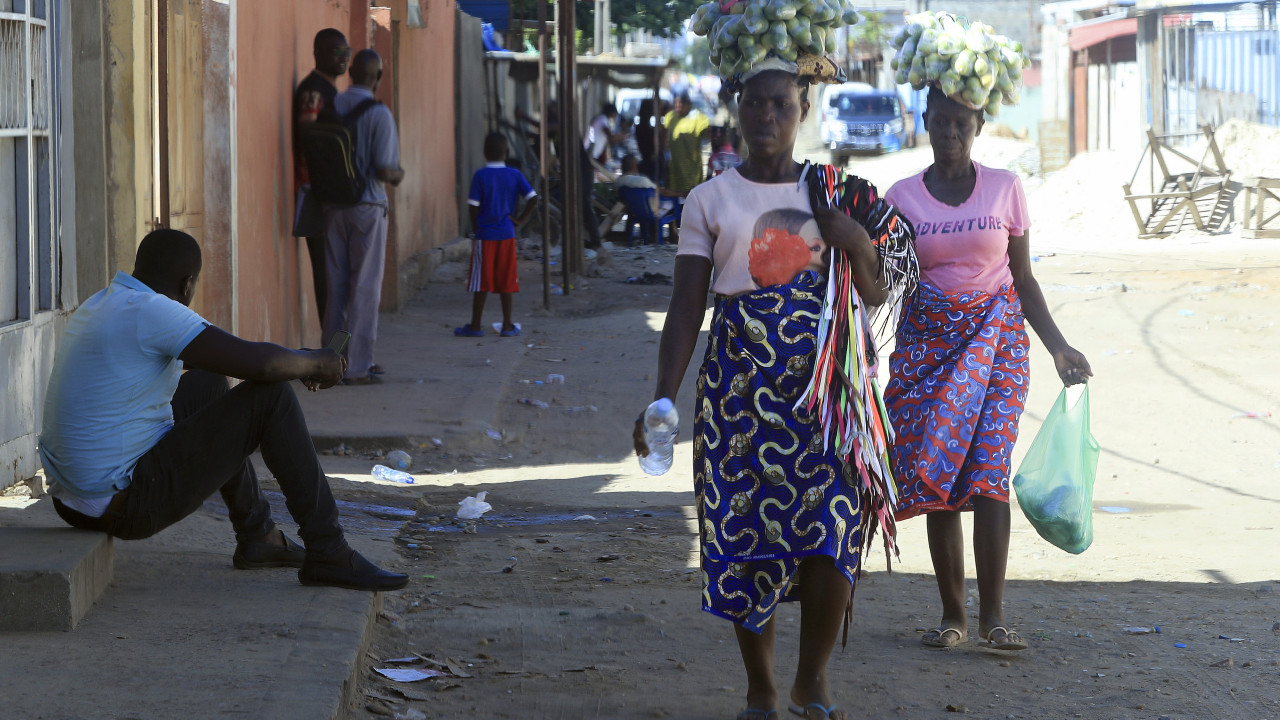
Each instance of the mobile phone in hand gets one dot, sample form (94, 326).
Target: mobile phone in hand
(339, 341)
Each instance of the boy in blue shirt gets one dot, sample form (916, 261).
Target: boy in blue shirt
(496, 191)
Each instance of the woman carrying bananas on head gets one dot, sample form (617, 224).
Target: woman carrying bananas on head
(959, 372)
(790, 448)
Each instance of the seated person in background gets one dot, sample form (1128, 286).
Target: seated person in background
(631, 178)
(723, 154)
(132, 445)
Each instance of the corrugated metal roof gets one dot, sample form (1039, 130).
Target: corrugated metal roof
(1147, 6)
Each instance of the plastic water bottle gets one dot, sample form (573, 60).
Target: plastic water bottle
(660, 425)
(399, 459)
(382, 472)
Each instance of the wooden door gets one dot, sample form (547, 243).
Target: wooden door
(180, 131)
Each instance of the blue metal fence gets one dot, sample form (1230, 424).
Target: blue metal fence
(1244, 65)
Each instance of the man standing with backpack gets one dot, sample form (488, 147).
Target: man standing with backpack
(356, 215)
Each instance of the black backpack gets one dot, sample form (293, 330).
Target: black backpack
(329, 147)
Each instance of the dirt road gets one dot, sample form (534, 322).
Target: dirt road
(577, 595)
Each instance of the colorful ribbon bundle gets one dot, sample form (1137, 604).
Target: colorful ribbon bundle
(844, 394)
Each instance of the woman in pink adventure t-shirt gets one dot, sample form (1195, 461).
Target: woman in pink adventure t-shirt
(959, 371)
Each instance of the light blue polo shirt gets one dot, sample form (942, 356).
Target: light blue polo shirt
(114, 374)
(377, 144)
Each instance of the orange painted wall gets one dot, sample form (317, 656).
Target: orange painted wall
(420, 81)
(273, 42)
(272, 47)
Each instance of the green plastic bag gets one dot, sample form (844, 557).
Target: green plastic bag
(1054, 484)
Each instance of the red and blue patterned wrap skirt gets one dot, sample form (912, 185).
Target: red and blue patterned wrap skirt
(958, 382)
(768, 494)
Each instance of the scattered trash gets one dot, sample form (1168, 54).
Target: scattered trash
(533, 403)
(437, 442)
(584, 408)
(650, 278)
(408, 674)
(555, 379)
(472, 508)
(401, 661)
(411, 714)
(1232, 639)
(1143, 630)
(608, 558)
(585, 517)
(1180, 645)
(1114, 509)
(1252, 415)
(411, 546)
(399, 459)
(1186, 313)
(386, 474)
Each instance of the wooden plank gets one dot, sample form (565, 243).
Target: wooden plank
(1213, 145)
(1195, 209)
(1133, 205)
(1155, 153)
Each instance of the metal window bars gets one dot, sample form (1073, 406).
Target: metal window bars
(24, 74)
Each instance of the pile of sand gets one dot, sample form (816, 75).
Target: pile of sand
(1249, 149)
(1084, 202)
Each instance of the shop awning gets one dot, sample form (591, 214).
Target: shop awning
(1090, 34)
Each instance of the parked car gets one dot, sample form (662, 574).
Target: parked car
(857, 117)
(628, 101)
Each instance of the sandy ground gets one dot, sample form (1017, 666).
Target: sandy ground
(577, 595)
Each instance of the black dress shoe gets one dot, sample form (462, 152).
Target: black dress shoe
(253, 554)
(352, 571)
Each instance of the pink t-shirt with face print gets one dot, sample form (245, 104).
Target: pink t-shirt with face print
(965, 247)
(755, 234)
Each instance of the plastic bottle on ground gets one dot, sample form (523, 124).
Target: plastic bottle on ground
(399, 459)
(661, 421)
(386, 474)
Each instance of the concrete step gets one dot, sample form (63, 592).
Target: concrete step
(50, 576)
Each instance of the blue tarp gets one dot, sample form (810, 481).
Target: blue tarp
(494, 12)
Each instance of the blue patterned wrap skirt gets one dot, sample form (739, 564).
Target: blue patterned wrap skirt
(768, 494)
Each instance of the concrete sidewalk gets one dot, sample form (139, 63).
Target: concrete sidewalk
(179, 633)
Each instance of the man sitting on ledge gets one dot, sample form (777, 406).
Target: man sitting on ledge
(131, 445)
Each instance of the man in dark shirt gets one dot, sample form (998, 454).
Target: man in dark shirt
(315, 93)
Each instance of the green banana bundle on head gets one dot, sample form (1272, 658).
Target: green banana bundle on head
(967, 61)
(749, 36)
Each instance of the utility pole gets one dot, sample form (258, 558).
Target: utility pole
(570, 145)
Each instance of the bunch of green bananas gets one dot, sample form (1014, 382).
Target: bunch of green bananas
(968, 62)
(742, 33)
